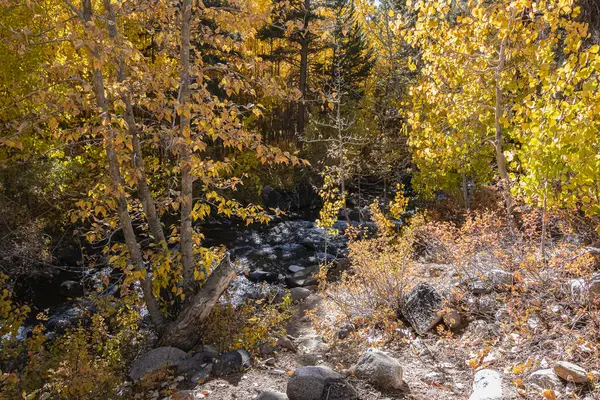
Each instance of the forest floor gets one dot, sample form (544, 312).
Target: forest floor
(435, 365)
(418, 361)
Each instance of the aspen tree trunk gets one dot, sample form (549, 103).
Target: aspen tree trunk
(117, 182)
(303, 71)
(183, 332)
(465, 189)
(544, 205)
(186, 229)
(148, 202)
(498, 140)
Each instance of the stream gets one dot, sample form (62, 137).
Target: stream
(270, 257)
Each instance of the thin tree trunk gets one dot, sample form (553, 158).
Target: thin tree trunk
(148, 202)
(186, 229)
(183, 333)
(118, 190)
(303, 72)
(465, 189)
(498, 141)
(341, 140)
(544, 205)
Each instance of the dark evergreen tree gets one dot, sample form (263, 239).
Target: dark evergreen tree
(291, 22)
(353, 57)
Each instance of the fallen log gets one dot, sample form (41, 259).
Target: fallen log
(183, 332)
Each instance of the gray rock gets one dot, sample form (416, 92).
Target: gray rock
(263, 276)
(479, 286)
(421, 308)
(316, 383)
(199, 359)
(232, 362)
(345, 331)
(571, 372)
(487, 385)
(501, 315)
(272, 395)
(302, 278)
(295, 268)
(379, 369)
(299, 293)
(545, 379)
(434, 378)
(201, 374)
(581, 287)
(156, 359)
(339, 389)
(494, 279)
(481, 305)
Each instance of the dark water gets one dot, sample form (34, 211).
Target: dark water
(272, 248)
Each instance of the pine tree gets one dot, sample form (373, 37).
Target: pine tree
(353, 58)
(291, 22)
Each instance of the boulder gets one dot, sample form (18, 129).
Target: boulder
(379, 369)
(571, 372)
(545, 379)
(479, 286)
(422, 307)
(260, 276)
(295, 268)
(339, 389)
(302, 278)
(299, 293)
(272, 395)
(159, 358)
(318, 382)
(482, 306)
(581, 287)
(232, 362)
(199, 375)
(494, 279)
(206, 355)
(487, 385)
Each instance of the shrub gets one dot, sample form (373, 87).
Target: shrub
(380, 267)
(248, 326)
(86, 362)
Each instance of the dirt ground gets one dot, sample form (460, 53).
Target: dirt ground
(272, 372)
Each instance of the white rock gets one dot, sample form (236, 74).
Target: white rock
(571, 372)
(487, 385)
(272, 395)
(545, 379)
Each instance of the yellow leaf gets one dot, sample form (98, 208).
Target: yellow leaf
(549, 394)
(52, 123)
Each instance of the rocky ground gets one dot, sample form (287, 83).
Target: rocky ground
(416, 363)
